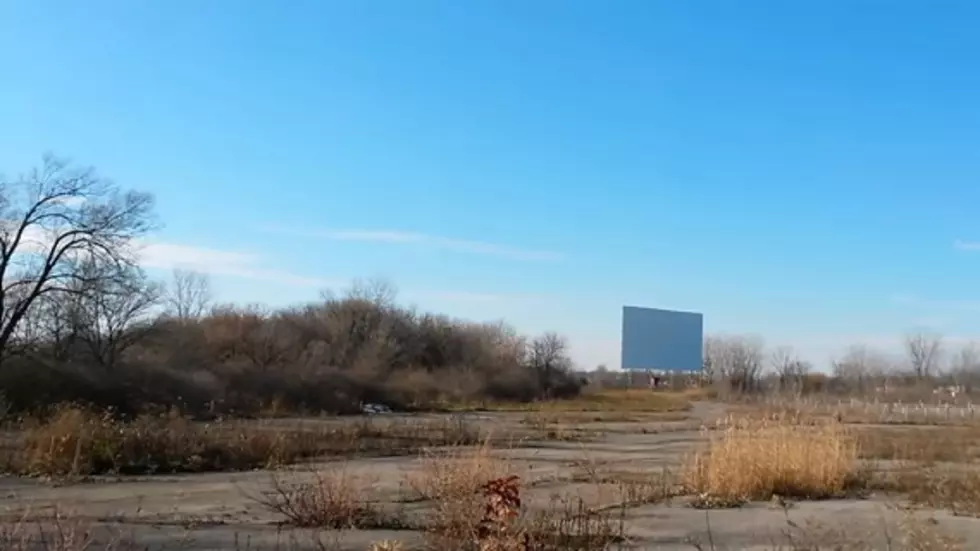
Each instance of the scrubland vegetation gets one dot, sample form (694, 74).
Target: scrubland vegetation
(83, 323)
(104, 371)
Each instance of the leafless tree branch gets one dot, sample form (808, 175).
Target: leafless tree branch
(924, 354)
(53, 220)
(189, 295)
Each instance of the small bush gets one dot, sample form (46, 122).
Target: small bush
(568, 524)
(476, 505)
(759, 459)
(331, 499)
(456, 474)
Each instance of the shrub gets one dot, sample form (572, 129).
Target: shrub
(331, 499)
(323, 357)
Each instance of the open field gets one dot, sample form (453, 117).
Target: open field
(678, 478)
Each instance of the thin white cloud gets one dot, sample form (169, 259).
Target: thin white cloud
(966, 245)
(169, 256)
(425, 240)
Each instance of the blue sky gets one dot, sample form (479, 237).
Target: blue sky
(804, 171)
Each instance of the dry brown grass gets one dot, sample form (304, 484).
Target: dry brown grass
(871, 410)
(494, 519)
(448, 481)
(757, 459)
(955, 488)
(645, 488)
(454, 475)
(452, 508)
(928, 461)
(746, 458)
(545, 418)
(458, 513)
(567, 523)
(920, 443)
(603, 402)
(77, 442)
(332, 498)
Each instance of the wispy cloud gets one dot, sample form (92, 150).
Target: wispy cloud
(425, 240)
(171, 256)
(966, 245)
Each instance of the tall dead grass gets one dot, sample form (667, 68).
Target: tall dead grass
(756, 459)
(450, 481)
(77, 442)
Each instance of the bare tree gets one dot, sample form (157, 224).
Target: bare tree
(736, 360)
(968, 358)
(781, 359)
(189, 295)
(924, 354)
(745, 363)
(711, 350)
(51, 220)
(51, 328)
(548, 357)
(98, 317)
(965, 367)
(113, 313)
(859, 367)
(789, 368)
(378, 291)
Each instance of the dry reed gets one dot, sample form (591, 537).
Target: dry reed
(757, 459)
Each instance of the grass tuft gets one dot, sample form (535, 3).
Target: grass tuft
(330, 498)
(752, 460)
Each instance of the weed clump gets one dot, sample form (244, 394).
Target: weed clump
(749, 460)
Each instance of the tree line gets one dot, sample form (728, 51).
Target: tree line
(743, 365)
(81, 321)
